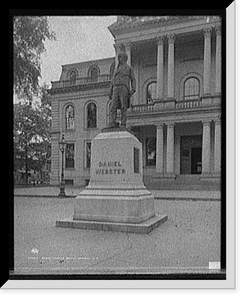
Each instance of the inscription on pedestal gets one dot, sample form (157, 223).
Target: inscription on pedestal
(110, 168)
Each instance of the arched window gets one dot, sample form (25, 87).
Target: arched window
(191, 89)
(151, 92)
(69, 115)
(72, 76)
(94, 73)
(91, 115)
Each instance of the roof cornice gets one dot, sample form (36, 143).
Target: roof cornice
(126, 23)
(82, 87)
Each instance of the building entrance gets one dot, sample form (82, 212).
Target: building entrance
(196, 160)
(191, 154)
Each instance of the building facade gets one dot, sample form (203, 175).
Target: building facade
(175, 112)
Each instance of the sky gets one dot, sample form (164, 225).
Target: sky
(78, 38)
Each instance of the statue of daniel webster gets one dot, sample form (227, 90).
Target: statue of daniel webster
(123, 86)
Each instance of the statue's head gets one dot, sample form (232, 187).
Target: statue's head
(122, 57)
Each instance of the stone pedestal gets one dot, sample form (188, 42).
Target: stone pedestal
(116, 198)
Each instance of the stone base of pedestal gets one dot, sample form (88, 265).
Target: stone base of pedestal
(144, 227)
(116, 203)
(116, 198)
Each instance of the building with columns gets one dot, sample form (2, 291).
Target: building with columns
(175, 112)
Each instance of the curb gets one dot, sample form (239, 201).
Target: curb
(187, 199)
(44, 196)
(157, 197)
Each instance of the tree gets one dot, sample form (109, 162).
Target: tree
(29, 34)
(32, 147)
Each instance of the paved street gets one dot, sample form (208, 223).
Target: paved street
(189, 240)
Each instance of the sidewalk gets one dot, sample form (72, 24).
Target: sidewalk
(53, 191)
(189, 241)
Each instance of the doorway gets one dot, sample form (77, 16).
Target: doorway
(196, 160)
(191, 154)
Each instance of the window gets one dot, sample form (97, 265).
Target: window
(150, 151)
(68, 182)
(94, 73)
(72, 76)
(91, 115)
(69, 114)
(69, 155)
(87, 154)
(151, 92)
(191, 89)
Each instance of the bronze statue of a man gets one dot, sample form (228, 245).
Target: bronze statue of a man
(123, 86)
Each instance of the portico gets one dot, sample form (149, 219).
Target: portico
(188, 148)
(204, 156)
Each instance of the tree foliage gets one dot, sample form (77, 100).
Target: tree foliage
(29, 34)
(31, 126)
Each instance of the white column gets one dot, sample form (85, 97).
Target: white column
(159, 148)
(170, 148)
(218, 61)
(207, 60)
(128, 52)
(217, 146)
(160, 62)
(206, 148)
(170, 76)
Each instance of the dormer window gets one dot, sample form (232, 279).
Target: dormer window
(94, 73)
(72, 76)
